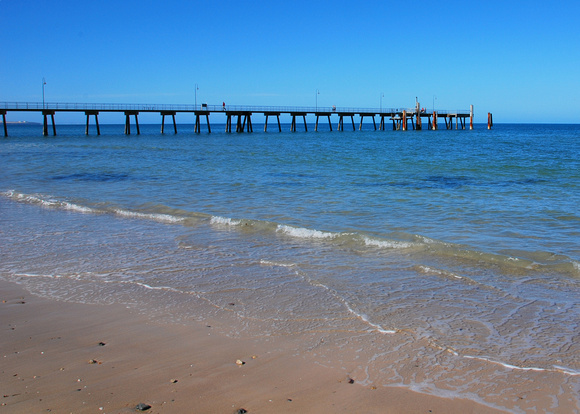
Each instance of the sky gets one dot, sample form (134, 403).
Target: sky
(519, 60)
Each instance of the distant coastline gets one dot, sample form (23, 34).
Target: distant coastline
(21, 122)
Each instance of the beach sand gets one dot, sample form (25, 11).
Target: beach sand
(77, 358)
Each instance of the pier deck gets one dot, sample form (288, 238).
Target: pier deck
(399, 117)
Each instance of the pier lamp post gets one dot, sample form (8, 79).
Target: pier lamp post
(196, 89)
(382, 96)
(43, 83)
(317, 93)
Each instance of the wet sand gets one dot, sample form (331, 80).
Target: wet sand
(67, 357)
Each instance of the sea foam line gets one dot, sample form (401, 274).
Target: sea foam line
(46, 202)
(303, 233)
(557, 368)
(165, 218)
(360, 316)
(225, 221)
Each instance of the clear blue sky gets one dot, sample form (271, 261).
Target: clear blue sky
(519, 60)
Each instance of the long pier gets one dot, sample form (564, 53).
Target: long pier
(400, 118)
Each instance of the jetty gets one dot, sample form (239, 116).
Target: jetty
(402, 119)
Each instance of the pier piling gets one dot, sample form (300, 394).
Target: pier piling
(4, 123)
(172, 113)
(128, 122)
(198, 122)
(96, 115)
(45, 113)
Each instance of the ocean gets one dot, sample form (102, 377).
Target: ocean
(462, 247)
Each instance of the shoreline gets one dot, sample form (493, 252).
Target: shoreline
(53, 359)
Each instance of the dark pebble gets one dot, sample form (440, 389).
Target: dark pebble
(102, 344)
(241, 411)
(350, 381)
(142, 407)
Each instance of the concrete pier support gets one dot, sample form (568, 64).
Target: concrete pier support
(172, 113)
(45, 113)
(249, 120)
(96, 115)
(4, 123)
(241, 122)
(293, 124)
(362, 118)
(319, 114)
(128, 122)
(228, 122)
(341, 121)
(198, 122)
(277, 115)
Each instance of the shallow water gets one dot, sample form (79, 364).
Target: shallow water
(463, 244)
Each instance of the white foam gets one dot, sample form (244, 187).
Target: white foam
(564, 370)
(270, 263)
(362, 317)
(225, 221)
(386, 244)
(31, 275)
(428, 269)
(77, 208)
(165, 218)
(303, 233)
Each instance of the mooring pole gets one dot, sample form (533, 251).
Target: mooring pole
(470, 116)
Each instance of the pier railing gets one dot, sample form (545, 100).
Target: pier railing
(118, 107)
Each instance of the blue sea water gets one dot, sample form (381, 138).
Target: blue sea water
(465, 244)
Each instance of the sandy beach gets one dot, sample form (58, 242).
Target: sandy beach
(77, 358)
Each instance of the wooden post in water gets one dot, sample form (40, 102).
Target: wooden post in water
(489, 120)
(404, 120)
(434, 121)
